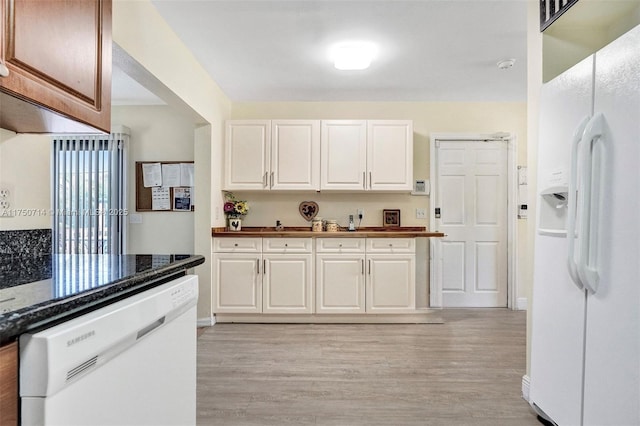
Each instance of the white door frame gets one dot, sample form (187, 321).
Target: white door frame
(435, 245)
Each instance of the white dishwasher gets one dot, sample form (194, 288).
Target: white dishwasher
(129, 363)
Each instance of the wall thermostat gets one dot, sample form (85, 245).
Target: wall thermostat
(421, 187)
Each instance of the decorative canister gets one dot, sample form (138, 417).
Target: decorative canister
(316, 225)
(332, 226)
(235, 224)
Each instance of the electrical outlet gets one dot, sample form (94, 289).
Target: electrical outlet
(421, 213)
(6, 200)
(360, 214)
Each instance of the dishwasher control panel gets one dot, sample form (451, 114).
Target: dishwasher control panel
(182, 295)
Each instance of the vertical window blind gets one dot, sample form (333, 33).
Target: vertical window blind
(89, 193)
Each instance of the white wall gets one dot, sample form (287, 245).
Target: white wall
(141, 32)
(534, 84)
(157, 134)
(25, 170)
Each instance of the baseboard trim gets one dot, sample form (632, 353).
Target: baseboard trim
(206, 322)
(526, 385)
(522, 303)
(418, 318)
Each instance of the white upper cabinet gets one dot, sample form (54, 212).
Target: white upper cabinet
(367, 155)
(390, 155)
(272, 154)
(312, 155)
(295, 154)
(344, 154)
(247, 154)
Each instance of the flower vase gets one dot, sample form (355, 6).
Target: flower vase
(235, 224)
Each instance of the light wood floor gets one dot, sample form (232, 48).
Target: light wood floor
(466, 371)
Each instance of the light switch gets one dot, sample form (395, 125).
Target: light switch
(135, 218)
(421, 213)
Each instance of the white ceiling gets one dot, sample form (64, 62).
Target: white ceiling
(428, 50)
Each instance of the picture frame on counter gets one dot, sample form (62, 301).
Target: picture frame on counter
(391, 217)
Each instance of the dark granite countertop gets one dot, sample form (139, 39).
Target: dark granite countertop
(39, 291)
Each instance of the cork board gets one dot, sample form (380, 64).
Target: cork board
(144, 194)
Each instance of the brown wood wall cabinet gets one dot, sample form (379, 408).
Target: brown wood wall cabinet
(58, 54)
(9, 384)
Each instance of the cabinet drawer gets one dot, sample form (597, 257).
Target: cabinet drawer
(340, 245)
(391, 245)
(286, 245)
(237, 245)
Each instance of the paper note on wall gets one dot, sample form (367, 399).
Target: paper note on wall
(170, 175)
(151, 174)
(182, 199)
(160, 198)
(186, 174)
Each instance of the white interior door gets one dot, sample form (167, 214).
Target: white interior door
(471, 194)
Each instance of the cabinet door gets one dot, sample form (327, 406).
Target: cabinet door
(390, 155)
(287, 284)
(295, 154)
(59, 57)
(391, 283)
(247, 150)
(340, 283)
(344, 154)
(9, 384)
(238, 283)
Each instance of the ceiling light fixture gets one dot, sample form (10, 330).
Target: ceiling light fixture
(353, 55)
(506, 64)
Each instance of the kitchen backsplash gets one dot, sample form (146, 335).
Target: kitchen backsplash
(30, 242)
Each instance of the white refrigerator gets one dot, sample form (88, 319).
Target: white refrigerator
(585, 342)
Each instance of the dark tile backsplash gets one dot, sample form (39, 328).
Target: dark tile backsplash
(30, 242)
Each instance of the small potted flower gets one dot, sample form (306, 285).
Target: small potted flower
(234, 210)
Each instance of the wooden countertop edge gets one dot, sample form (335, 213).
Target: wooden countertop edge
(299, 232)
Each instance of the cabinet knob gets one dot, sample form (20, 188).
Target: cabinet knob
(286, 245)
(236, 245)
(390, 245)
(339, 245)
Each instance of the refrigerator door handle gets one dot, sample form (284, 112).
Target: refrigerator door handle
(591, 168)
(571, 220)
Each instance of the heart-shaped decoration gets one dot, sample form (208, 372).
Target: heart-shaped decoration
(308, 209)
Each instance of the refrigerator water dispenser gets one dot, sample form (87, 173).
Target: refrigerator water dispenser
(553, 211)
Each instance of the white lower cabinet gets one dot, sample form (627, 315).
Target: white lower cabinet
(287, 284)
(391, 283)
(350, 279)
(345, 276)
(391, 277)
(263, 275)
(340, 283)
(238, 282)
